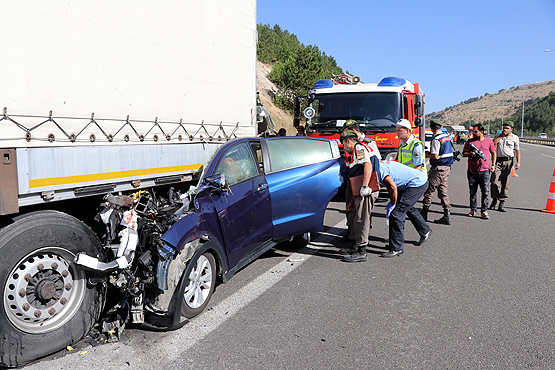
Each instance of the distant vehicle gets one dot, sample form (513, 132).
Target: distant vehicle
(543, 135)
(427, 140)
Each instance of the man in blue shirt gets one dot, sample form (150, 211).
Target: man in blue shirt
(405, 186)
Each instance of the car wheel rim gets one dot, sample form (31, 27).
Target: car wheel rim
(43, 291)
(199, 284)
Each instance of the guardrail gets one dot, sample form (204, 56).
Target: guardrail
(549, 142)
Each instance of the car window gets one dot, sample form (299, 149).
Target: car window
(289, 153)
(237, 164)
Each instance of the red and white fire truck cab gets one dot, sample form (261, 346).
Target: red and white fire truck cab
(375, 106)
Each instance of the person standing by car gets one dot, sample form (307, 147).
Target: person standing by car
(441, 159)
(411, 150)
(478, 150)
(360, 172)
(507, 149)
(405, 186)
(352, 125)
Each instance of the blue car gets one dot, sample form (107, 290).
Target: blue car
(254, 193)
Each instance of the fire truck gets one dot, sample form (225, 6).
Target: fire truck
(375, 106)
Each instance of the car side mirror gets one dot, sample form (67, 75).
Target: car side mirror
(216, 183)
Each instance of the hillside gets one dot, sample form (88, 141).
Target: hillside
(267, 89)
(491, 106)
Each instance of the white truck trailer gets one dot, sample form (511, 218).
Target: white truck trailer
(102, 97)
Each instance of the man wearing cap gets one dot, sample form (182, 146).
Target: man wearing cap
(300, 130)
(370, 144)
(405, 186)
(359, 207)
(354, 126)
(441, 159)
(411, 150)
(507, 149)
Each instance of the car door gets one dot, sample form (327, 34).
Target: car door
(303, 177)
(244, 212)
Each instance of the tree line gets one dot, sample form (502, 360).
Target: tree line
(295, 67)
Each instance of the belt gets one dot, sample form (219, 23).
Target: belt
(503, 159)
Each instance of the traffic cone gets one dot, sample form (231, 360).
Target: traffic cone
(514, 173)
(550, 207)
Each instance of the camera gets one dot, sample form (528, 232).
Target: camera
(477, 151)
(456, 155)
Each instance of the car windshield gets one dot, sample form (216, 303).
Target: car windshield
(372, 110)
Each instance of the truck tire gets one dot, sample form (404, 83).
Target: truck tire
(46, 301)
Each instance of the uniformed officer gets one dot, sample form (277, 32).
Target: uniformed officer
(359, 207)
(405, 186)
(354, 126)
(372, 147)
(441, 159)
(411, 150)
(508, 149)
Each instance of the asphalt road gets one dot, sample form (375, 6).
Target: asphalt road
(479, 294)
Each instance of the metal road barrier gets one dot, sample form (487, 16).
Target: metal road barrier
(549, 142)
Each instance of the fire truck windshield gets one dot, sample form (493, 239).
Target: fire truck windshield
(374, 111)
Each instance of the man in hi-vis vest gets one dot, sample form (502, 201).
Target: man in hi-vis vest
(411, 150)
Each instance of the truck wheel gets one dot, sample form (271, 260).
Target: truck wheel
(200, 281)
(46, 302)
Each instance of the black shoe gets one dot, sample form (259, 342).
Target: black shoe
(446, 219)
(392, 253)
(358, 256)
(348, 250)
(425, 237)
(493, 203)
(502, 206)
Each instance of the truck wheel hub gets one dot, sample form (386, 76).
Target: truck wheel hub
(41, 289)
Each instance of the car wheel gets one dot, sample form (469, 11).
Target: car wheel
(46, 302)
(200, 280)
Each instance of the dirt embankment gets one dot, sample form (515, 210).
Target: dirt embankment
(267, 89)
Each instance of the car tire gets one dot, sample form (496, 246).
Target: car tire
(199, 280)
(46, 301)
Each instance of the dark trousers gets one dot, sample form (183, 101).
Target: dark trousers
(406, 199)
(475, 179)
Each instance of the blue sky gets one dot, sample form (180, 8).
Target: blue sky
(454, 49)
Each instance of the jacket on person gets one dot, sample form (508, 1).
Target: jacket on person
(405, 155)
(445, 157)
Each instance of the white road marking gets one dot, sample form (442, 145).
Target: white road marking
(210, 320)
(550, 156)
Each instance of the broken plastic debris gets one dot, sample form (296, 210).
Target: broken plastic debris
(69, 348)
(82, 353)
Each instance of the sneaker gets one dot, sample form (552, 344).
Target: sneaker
(424, 237)
(471, 213)
(485, 215)
(391, 253)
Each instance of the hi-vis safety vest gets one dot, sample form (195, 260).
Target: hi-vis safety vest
(405, 155)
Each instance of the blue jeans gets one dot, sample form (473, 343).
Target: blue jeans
(480, 178)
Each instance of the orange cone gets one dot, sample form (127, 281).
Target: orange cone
(550, 207)
(514, 173)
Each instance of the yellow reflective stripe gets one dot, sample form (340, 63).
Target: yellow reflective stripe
(38, 183)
